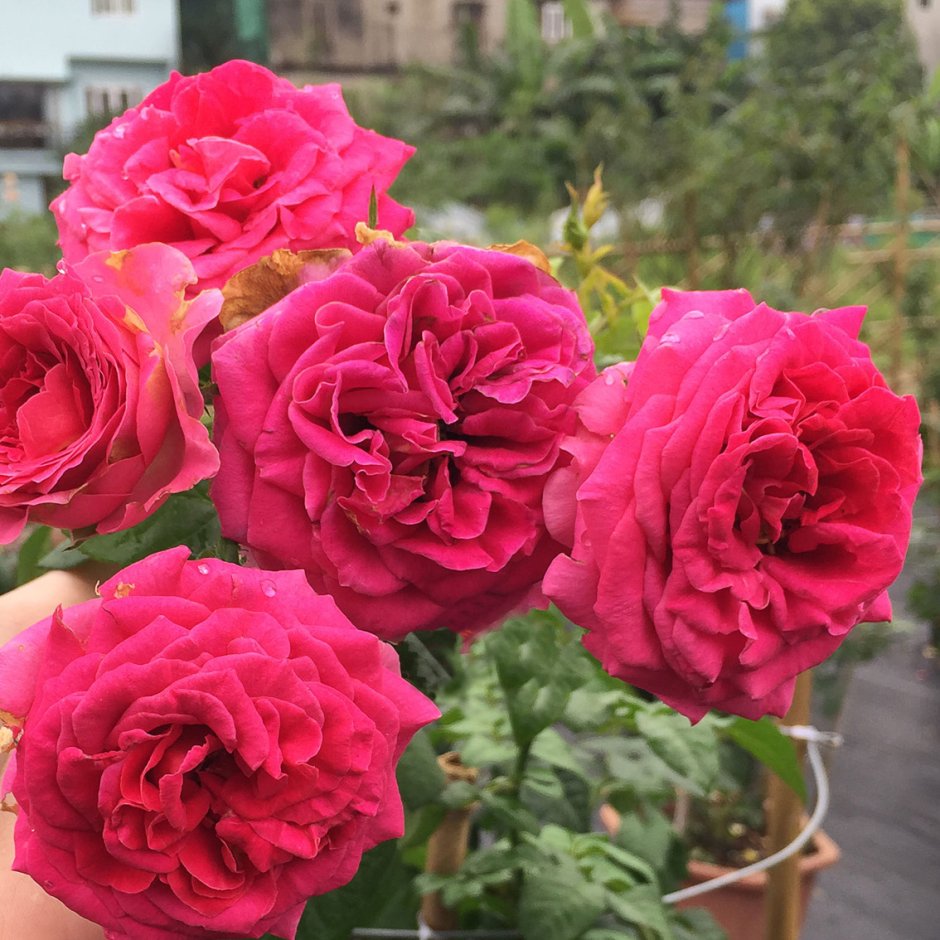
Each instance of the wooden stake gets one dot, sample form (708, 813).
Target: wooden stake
(447, 847)
(784, 821)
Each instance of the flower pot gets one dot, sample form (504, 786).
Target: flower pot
(739, 907)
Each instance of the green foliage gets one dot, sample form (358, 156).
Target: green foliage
(28, 243)
(553, 737)
(186, 518)
(381, 894)
(765, 741)
(32, 551)
(420, 780)
(617, 313)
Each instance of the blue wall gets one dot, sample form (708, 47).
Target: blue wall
(736, 12)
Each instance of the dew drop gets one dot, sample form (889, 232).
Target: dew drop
(722, 331)
(268, 589)
(60, 267)
(669, 339)
(202, 569)
(120, 131)
(695, 315)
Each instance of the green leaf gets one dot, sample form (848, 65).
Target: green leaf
(652, 838)
(558, 903)
(765, 741)
(420, 778)
(184, 519)
(508, 813)
(524, 44)
(641, 906)
(32, 551)
(695, 924)
(582, 26)
(609, 933)
(689, 750)
(553, 749)
(571, 809)
(459, 793)
(380, 894)
(63, 558)
(539, 664)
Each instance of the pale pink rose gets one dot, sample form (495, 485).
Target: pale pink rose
(390, 428)
(227, 166)
(751, 507)
(99, 398)
(205, 747)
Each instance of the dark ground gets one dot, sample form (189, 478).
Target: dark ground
(885, 811)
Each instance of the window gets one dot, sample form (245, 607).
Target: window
(110, 7)
(22, 115)
(102, 100)
(349, 16)
(555, 25)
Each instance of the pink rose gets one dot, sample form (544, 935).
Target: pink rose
(751, 507)
(99, 397)
(205, 747)
(228, 166)
(390, 428)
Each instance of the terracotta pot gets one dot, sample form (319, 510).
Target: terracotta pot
(739, 907)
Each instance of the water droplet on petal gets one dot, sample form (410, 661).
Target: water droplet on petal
(202, 569)
(695, 315)
(268, 589)
(60, 267)
(722, 331)
(669, 339)
(120, 131)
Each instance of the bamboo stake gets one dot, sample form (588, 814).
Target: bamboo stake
(447, 847)
(784, 820)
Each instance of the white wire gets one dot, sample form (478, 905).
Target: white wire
(813, 739)
(815, 821)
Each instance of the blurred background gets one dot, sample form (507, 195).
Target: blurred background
(792, 148)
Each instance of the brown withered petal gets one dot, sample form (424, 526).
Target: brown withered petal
(264, 283)
(528, 251)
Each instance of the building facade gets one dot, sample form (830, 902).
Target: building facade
(377, 35)
(924, 17)
(64, 63)
(693, 14)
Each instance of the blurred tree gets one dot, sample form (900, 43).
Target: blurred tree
(214, 31)
(831, 76)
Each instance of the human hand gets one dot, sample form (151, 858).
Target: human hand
(26, 911)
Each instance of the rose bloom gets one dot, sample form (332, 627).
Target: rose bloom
(99, 398)
(737, 505)
(389, 428)
(205, 748)
(228, 166)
